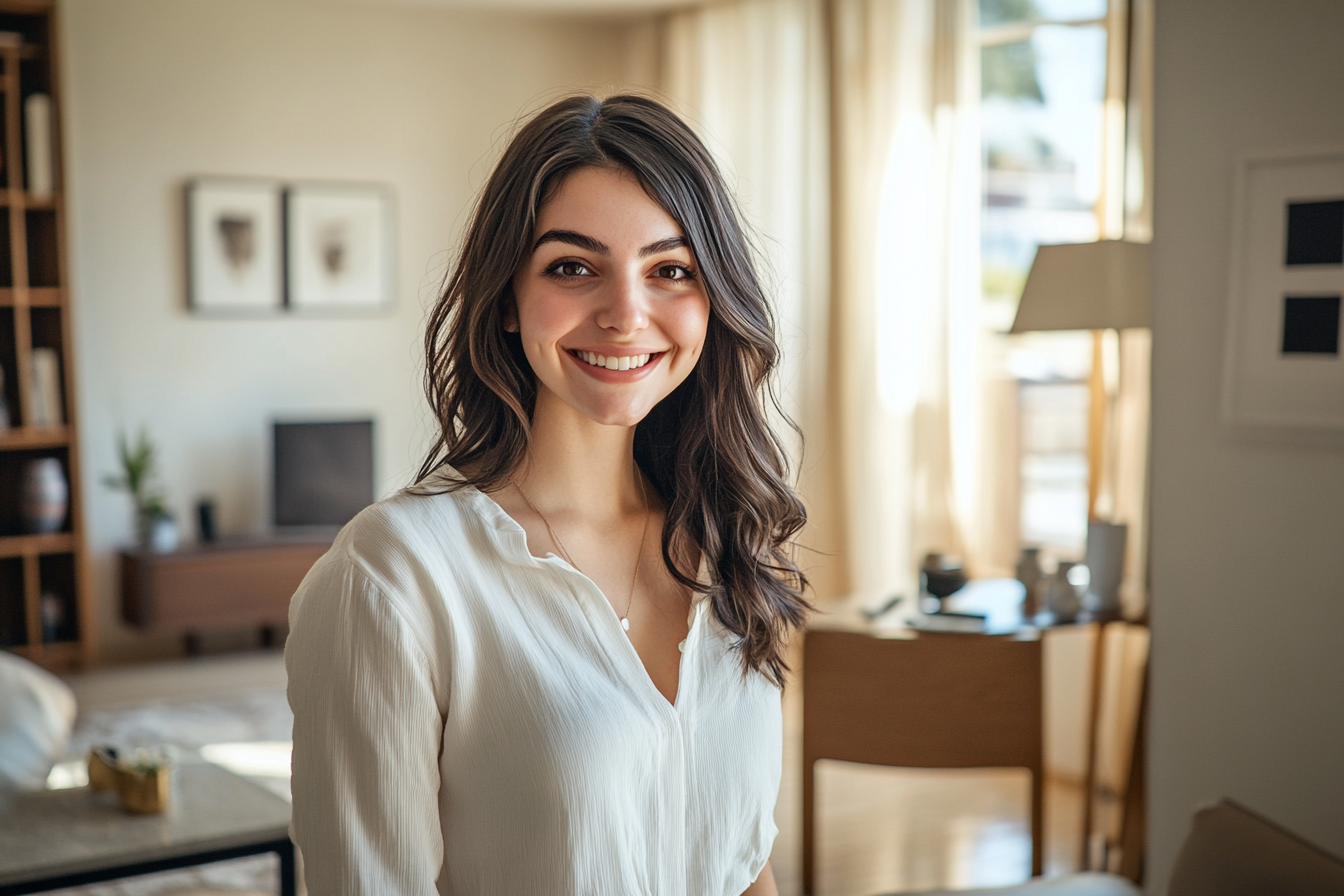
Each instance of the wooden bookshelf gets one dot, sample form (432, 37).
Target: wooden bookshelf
(35, 312)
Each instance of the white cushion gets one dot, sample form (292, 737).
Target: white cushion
(37, 713)
(1087, 883)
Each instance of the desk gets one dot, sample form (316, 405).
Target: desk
(65, 838)
(934, 701)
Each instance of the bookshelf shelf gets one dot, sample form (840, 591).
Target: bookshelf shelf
(44, 587)
(35, 545)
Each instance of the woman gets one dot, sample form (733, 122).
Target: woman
(554, 666)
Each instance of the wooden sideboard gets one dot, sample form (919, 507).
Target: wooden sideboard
(232, 584)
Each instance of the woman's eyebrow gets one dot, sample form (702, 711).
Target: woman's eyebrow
(574, 239)
(672, 242)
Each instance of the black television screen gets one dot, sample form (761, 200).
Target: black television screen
(323, 472)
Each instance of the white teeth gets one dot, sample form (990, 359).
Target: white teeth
(629, 362)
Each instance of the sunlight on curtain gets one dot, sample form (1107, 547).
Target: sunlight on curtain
(905, 85)
(875, 257)
(750, 77)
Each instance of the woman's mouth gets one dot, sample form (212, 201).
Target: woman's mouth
(614, 362)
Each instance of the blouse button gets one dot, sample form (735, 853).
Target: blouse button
(682, 647)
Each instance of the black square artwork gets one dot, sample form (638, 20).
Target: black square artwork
(1311, 325)
(1315, 233)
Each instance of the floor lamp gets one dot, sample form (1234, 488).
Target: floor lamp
(1091, 286)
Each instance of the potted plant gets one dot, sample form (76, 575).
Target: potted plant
(154, 524)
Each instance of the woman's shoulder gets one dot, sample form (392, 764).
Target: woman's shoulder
(429, 520)
(400, 551)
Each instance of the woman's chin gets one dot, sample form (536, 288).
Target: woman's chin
(609, 413)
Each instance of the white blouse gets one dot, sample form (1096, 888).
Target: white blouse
(469, 719)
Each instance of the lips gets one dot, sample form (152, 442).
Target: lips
(612, 362)
(615, 368)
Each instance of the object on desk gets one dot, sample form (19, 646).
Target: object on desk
(1106, 563)
(872, 614)
(968, 623)
(205, 519)
(39, 143)
(47, 409)
(939, 577)
(1029, 573)
(1060, 597)
(44, 496)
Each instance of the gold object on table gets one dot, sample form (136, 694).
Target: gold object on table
(143, 792)
(140, 779)
(102, 769)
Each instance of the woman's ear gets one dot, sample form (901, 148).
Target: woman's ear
(511, 319)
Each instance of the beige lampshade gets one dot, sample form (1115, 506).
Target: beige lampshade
(1086, 286)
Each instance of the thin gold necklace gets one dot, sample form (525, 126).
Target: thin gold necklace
(644, 498)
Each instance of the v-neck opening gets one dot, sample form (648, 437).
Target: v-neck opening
(551, 557)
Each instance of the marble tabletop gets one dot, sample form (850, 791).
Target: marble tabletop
(52, 832)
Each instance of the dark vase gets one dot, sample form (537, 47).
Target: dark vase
(44, 496)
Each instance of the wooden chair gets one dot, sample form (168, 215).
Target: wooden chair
(939, 701)
(1115, 812)
(971, 701)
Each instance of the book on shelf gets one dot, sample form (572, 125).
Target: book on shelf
(39, 145)
(47, 408)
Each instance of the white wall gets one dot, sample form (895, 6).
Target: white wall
(158, 91)
(1248, 528)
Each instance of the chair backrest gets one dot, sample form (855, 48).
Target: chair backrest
(1122, 673)
(938, 701)
(1232, 851)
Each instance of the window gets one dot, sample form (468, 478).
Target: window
(1052, 144)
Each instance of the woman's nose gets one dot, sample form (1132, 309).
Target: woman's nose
(623, 306)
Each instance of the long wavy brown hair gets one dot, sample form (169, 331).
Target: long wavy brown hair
(707, 448)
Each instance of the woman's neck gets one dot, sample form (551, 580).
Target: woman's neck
(580, 465)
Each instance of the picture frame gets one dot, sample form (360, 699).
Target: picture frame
(339, 248)
(1282, 361)
(234, 263)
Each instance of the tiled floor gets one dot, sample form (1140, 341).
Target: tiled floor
(879, 830)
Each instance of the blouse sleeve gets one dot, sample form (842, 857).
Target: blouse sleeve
(367, 734)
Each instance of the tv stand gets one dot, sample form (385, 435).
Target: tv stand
(212, 586)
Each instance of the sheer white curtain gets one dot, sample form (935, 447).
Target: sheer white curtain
(849, 127)
(904, 91)
(751, 77)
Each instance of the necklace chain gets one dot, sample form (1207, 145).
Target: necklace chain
(644, 498)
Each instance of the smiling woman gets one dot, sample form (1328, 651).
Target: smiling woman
(610, 312)
(501, 683)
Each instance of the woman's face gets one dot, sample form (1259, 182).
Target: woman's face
(610, 308)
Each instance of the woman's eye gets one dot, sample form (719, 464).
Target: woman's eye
(675, 272)
(569, 269)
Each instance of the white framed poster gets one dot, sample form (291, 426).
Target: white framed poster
(1282, 364)
(233, 244)
(339, 247)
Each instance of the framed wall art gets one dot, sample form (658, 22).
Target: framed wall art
(339, 247)
(1282, 360)
(233, 245)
